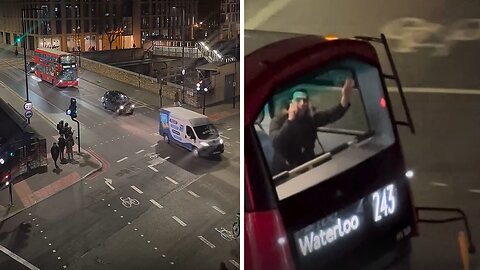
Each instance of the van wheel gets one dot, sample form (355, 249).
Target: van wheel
(166, 138)
(195, 151)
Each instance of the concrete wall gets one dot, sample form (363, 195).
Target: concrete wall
(138, 80)
(218, 81)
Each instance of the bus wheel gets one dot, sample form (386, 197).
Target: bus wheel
(166, 138)
(195, 151)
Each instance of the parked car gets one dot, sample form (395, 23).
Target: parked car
(118, 102)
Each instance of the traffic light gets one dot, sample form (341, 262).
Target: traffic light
(202, 86)
(18, 39)
(199, 85)
(72, 110)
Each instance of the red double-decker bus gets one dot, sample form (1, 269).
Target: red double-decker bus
(56, 67)
(341, 199)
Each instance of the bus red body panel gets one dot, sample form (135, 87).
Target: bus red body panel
(266, 244)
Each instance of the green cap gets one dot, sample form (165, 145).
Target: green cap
(299, 95)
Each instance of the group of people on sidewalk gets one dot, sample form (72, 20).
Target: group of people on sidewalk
(65, 142)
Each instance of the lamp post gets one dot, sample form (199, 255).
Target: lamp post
(25, 53)
(183, 49)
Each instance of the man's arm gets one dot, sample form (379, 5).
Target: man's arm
(281, 131)
(323, 118)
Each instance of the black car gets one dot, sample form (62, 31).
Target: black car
(118, 102)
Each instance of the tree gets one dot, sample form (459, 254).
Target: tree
(112, 35)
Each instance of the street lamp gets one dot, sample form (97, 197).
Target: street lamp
(25, 52)
(183, 49)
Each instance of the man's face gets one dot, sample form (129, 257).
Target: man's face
(300, 99)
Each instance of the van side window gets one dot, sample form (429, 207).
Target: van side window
(190, 133)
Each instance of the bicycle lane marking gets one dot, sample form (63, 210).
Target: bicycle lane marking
(179, 221)
(208, 243)
(137, 189)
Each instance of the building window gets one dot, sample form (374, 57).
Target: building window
(58, 27)
(58, 11)
(144, 9)
(69, 26)
(144, 22)
(86, 26)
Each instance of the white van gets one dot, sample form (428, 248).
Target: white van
(191, 130)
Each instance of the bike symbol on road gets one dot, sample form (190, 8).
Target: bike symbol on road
(128, 202)
(226, 234)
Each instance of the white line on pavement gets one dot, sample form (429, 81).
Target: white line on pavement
(229, 129)
(139, 151)
(137, 189)
(156, 203)
(193, 194)
(235, 264)
(238, 142)
(218, 209)
(152, 168)
(120, 160)
(171, 180)
(18, 258)
(153, 145)
(474, 190)
(179, 221)
(224, 137)
(206, 241)
(167, 157)
(265, 13)
(438, 184)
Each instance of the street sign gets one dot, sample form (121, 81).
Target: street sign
(27, 105)
(183, 71)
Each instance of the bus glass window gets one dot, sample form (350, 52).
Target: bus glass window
(326, 138)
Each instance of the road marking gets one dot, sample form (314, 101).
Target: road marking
(438, 184)
(171, 180)
(167, 157)
(218, 209)
(179, 221)
(229, 129)
(18, 258)
(206, 241)
(224, 137)
(120, 160)
(109, 182)
(265, 13)
(139, 151)
(137, 189)
(153, 145)
(238, 142)
(193, 194)
(235, 264)
(228, 152)
(152, 168)
(156, 203)
(474, 190)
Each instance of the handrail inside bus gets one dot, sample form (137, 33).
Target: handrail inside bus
(362, 138)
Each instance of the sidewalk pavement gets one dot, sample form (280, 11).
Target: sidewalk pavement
(39, 187)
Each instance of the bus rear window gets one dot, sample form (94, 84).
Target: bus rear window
(323, 124)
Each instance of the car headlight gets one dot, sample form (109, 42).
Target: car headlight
(133, 106)
(121, 107)
(61, 81)
(221, 141)
(203, 143)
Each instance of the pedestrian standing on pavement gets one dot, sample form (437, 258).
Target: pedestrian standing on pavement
(69, 146)
(60, 127)
(64, 130)
(61, 145)
(55, 151)
(177, 99)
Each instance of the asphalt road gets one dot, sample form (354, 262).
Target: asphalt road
(183, 202)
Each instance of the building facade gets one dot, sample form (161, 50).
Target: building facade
(71, 25)
(230, 19)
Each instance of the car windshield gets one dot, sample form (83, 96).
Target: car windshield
(206, 132)
(121, 98)
(68, 74)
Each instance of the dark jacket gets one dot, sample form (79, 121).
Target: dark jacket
(55, 151)
(62, 143)
(294, 141)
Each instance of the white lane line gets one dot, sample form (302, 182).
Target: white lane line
(206, 241)
(166, 157)
(234, 263)
(18, 258)
(153, 145)
(265, 13)
(139, 151)
(137, 189)
(474, 190)
(224, 137)
(171, 180)
(229, 129)
(120, 160)
(193, 194)
(438, 184)
(179, 221)
(156, 203)
(218, 209)
(152, 168)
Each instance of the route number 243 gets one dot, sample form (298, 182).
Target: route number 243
(384, 202)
